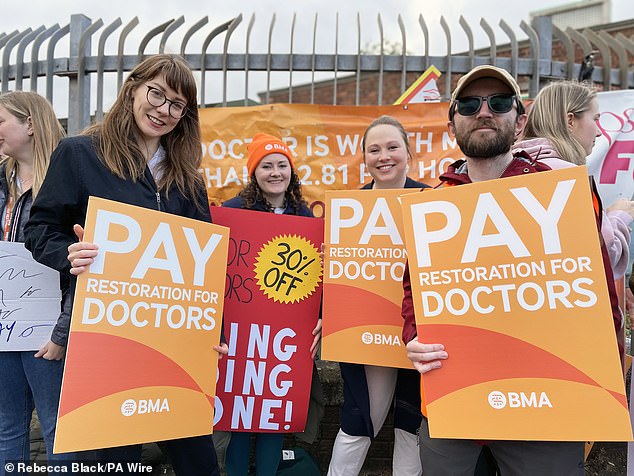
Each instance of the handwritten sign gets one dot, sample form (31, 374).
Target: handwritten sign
(272, 300)
(29, 299)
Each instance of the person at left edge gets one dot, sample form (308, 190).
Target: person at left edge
(29, 131)
(273, 187)
(146, 152)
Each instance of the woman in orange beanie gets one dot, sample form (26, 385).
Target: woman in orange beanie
(273, 183)
(273, 187)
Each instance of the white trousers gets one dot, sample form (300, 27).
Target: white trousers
(349, 452)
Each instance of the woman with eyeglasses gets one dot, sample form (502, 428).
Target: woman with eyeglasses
(562, 123)
(146, 152)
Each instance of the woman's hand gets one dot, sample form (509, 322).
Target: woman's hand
(316, 340)
(81, 254)
(51, 351)
(222, 349)
(425, 357)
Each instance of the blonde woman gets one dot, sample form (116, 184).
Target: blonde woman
(29, 132)
(562, 123)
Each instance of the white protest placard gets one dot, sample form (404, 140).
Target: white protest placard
(29, 299)
(612, 159)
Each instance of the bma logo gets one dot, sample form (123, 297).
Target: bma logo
(268, 147)
(130, 407)
(499, 400)
(380, 339)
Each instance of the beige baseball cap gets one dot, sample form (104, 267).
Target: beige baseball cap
(486, 71)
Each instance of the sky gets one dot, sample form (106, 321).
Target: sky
(33, 13)
(30, 13)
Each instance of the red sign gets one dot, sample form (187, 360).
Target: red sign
(272, 300)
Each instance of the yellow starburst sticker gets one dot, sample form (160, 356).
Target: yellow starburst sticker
(287, 268)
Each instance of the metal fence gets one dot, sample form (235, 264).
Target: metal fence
(86, 66)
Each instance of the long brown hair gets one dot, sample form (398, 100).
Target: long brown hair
(117, 136)
(47, 132)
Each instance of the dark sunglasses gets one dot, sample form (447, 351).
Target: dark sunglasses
(498, 104)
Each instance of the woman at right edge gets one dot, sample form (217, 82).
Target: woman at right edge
(563, 124)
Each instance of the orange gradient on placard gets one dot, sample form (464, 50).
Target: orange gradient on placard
(513, 358)
(149, 319)
(382, 346)
(368, 300)
(557, 331)
(361, 308)
(144, 367)
(188, 415)
(609, 423)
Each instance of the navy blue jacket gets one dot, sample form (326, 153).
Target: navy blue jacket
(74, 174)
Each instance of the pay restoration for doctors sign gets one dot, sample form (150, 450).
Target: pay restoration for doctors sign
(508, 275)
(140, 365)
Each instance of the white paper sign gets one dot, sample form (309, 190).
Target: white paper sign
(29, 299)
(612, 158)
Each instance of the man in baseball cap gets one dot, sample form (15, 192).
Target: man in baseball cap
(486, 115)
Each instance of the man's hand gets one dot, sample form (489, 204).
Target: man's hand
(425, 357)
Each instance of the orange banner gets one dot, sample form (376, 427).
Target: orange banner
(508, 275)
(326, 143)
(140, 365)
(364, 261)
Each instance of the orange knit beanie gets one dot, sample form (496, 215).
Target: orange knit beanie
(263, 145)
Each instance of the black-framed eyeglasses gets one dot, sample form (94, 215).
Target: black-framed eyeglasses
(498, 104)
(157, 98)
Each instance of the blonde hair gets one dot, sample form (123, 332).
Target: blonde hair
(548, 117)
(47, 132)
(117, 136)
